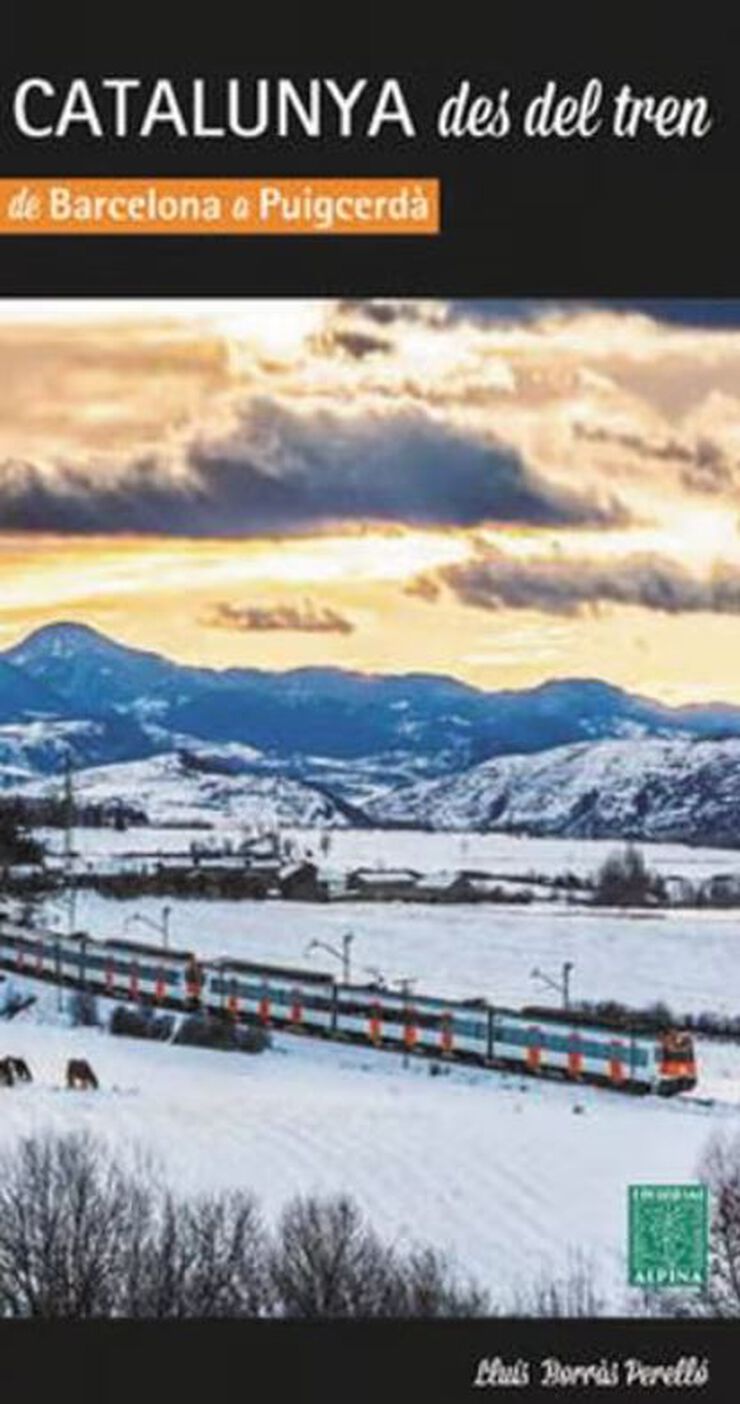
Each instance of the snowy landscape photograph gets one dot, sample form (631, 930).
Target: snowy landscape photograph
(369, 806)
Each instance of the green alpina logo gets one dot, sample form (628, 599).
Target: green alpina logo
(668, 1235)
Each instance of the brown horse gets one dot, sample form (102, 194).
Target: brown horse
(80, 1074)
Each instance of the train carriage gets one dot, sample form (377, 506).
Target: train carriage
(42, 953)
(422, 1022)
(589, 1053)
(136, 971)
(265, 994)
(568, 1044)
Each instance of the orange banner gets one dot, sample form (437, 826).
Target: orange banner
(262, 206)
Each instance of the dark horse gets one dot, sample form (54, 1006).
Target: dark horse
(80, 1074)
(14, 1070)
(20, 1069)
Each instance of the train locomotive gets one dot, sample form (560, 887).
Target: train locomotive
(540, 1042)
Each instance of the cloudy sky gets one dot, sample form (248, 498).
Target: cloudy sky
(502, 491)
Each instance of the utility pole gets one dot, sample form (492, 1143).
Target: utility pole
(68, 804)
(163, 926)
(562, 986)
(68, 810)
(405, 991)
(344, 955)
(347, 940)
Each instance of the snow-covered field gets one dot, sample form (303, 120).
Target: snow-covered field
(690, 960)
(500, 1171)
(504, 854)
(516, 1179)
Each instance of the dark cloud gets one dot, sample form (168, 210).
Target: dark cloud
(142, 498)
(705, 469)
(386, 312)
(404, 468)
(306, 618)
(283, 473)
(710, 314)
(491, 580)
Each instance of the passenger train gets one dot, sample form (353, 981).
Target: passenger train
(545, 1042)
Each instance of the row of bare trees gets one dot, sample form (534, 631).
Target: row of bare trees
(80, 1236)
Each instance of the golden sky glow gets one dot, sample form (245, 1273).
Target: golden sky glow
(501, 498)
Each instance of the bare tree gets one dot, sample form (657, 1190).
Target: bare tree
(65, 1213)
(575, 1293)
(82, 1236)
(328, 1262)
(624, 880)
(425, 1285)
(720, 1170)
(202, 1257)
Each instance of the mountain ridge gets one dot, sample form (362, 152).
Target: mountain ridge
(309, 722)
(680, 789)
(71, 670)
(577, 756)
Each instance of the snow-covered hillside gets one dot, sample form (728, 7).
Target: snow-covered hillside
(670, 790)
(27, 748)
(679, 790)
(516, 1180)
(177, 788)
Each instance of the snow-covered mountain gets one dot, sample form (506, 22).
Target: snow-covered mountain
(436, 722)
(572, 756)
(679, 789)
(43, 745)
(180, 789)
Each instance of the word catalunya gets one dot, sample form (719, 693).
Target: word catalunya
(233, 107)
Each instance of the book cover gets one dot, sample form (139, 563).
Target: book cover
(369, 705)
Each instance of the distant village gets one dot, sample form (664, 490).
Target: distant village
(274, 865)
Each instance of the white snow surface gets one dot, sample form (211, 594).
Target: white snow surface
(690, 960)
(169, 791)
(497, 1170)
(504, 855)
